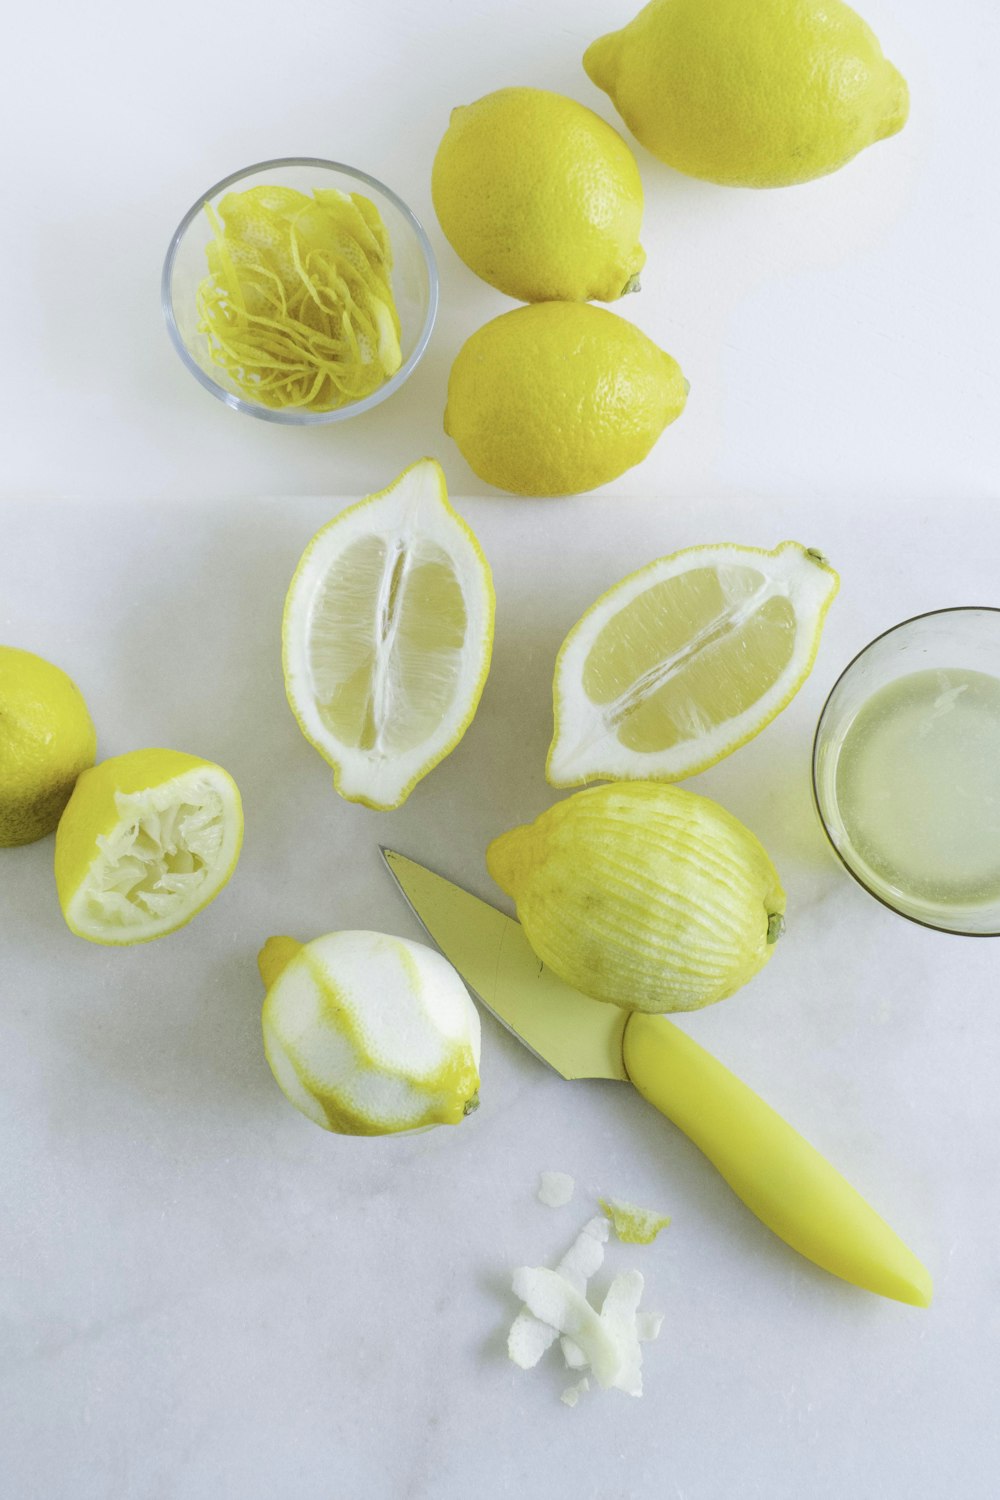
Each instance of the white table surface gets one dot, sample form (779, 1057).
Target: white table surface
(201, 1295)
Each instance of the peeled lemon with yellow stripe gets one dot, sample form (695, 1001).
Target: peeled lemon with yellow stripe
(368, 1034)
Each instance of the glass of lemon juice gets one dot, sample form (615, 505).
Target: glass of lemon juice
(906, 769)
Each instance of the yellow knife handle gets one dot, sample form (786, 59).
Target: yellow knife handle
(780, 1177)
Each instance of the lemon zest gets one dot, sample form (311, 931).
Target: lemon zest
(298, 307)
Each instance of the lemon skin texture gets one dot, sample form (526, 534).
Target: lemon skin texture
(646, 896)
(559, 397)
(46, 740)
(751, 93)
(540, 197)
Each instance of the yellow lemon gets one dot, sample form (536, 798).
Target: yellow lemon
(387, 637)
(368, 1034)
(685, 661)
(643, 895)
(46, 740)
(751, 93)
(559, 397)
(147, 840)
(540, 197)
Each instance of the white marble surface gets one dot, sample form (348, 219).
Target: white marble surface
(204, 1296)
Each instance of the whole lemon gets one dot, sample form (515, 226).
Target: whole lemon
(644, 895)
(559, 397)
(46, 741)
(751, 93)
(540, 197)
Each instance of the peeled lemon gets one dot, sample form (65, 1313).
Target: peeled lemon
(46, 740)
(147, 840)
(751, 93)
(684, 661)
(387, 637)
(559, 397)
(644, 895)
(540, 197)
(368, 1034)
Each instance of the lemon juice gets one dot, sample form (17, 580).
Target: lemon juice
(917, 784)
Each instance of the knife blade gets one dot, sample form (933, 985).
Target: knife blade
(779, 1176)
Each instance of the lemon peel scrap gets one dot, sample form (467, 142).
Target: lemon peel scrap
(555, 1189)
(572, 1393)
(632, 1225)
(298, 307)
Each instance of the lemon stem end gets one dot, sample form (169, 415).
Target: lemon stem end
(275, 956)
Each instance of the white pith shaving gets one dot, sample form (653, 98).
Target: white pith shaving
(647, 1326)
(529, 1337)
(555, 1188)
(619, 1314)
(607, 1341)
(573, 1355)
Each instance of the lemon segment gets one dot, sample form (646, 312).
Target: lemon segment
(685, 660)
(766, 94)
(387, 636)
(368, 1034)
(46, 740)
(147, 840)
(540, 197)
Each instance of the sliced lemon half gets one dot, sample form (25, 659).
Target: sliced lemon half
(685, 660)
(146, 841)
(387, 636)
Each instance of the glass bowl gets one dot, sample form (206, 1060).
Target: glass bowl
(414, 280)
(912, 810)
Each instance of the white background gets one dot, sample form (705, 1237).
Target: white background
(201, 1295)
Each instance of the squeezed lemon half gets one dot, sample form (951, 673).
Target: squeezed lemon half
(147, 840)
(369, 1034)
(387, 637)
(684, 661)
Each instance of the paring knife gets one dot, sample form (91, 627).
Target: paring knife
(779, 1176)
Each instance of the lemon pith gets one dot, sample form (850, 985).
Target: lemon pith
(147, 840)
(559, 397)
(750, 93)
(540, 197)
(644, 895)
(685, 660)
(387, 635)
(368, 1034)
(46, 740)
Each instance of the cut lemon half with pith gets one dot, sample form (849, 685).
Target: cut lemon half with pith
(146, 841)
(685, 660)
(387, 636)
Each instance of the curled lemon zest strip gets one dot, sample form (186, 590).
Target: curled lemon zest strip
(298, 306)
